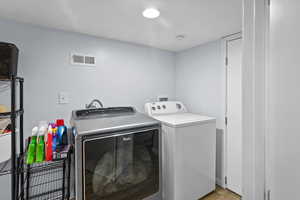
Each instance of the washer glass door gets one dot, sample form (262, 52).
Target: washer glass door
(123, 167)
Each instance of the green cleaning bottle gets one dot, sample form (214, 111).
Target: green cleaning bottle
(32, 147)
(40, 149)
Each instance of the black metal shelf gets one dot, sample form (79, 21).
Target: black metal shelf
(5, 167)
(12, 78)
(6, 115)
(11, 166)
(47, 180)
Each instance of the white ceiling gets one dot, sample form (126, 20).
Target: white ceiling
(199, 20)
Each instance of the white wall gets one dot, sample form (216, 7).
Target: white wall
(125, 74)
(200, 84)
(283, 99)
(200, 80)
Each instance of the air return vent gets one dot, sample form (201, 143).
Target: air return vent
(80, 59)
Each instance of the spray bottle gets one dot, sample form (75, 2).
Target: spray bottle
(49, 151)
(40, 149)
(31, 153)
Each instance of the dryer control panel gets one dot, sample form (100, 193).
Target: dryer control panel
(164, 107)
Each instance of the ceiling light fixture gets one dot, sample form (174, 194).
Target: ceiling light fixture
(151, 13)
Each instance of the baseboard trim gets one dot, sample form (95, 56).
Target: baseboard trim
(220, 182)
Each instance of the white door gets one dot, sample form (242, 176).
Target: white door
(283, 101)
(234, 115)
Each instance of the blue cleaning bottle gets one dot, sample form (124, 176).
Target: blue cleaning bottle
(61, 133)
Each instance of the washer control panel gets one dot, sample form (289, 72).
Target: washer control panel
(164, 107)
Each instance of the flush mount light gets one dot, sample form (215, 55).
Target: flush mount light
(151, 13)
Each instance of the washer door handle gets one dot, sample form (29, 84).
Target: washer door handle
(125, 139)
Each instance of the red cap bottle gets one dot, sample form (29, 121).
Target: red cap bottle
(60, 122)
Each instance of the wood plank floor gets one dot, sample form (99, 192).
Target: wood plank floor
(221, 194)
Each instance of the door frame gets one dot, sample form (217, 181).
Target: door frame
(255, 98)
(225, 41)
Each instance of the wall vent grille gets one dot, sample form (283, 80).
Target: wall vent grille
(80, 59)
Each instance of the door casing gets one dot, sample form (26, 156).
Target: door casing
(226, 41)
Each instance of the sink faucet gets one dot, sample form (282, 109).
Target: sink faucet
(92, 104)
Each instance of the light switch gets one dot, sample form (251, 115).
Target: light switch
(63, 98)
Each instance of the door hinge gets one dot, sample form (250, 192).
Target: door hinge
(225, 180)
(268, 195)
(226, 121)
(226, 61)
(269, 2)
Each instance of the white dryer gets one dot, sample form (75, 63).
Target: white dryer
(189, 151)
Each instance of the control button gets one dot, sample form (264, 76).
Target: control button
(178, 106)
(164, 106)
(158, 107)
(153, 108)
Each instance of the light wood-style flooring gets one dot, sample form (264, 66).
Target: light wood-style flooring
(222, 194)
(219, 194)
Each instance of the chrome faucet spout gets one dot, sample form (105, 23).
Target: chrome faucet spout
(92, 104)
